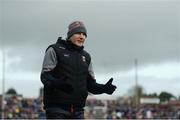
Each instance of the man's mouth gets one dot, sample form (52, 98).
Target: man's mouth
(80, 41)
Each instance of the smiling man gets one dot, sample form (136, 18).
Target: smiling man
(68, 76)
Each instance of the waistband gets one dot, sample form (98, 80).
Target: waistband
(67, 107)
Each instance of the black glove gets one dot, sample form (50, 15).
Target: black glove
(62, 85)
(109, 88)
(50, 82)
(66, 88)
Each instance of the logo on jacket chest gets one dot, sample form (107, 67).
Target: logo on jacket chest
(83, 58)
(66, 55)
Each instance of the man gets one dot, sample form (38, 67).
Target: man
(68, 76)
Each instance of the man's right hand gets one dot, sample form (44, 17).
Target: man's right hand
(66, 88)
(62, 85)
(51, 82)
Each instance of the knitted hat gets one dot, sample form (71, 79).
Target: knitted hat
(76, 27)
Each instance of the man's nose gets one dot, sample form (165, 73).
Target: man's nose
(82, 35)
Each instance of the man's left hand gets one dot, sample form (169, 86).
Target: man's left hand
(109, 87)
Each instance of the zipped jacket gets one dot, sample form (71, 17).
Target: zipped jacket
(72, 69)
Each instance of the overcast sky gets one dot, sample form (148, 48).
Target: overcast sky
(119, 31)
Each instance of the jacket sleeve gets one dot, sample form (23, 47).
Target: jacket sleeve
(49, 64)
(93, 87)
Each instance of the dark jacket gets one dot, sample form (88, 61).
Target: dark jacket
(72, 70)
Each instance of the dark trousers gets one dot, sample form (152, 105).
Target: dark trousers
(59, 113)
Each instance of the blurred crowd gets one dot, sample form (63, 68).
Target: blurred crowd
(21, 108)
(113, 110)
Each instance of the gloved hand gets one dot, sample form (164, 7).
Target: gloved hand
(62, 85)
(66, 88)
(109, 88)
(50, 82)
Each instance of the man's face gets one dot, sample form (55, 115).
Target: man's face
(78, 39)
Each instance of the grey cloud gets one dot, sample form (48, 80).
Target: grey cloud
(118, 31)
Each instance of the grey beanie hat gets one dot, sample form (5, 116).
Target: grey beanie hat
(76, 27)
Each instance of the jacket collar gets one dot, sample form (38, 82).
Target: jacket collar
(69, 44)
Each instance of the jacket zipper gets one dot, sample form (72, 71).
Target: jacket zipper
(72, 109)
